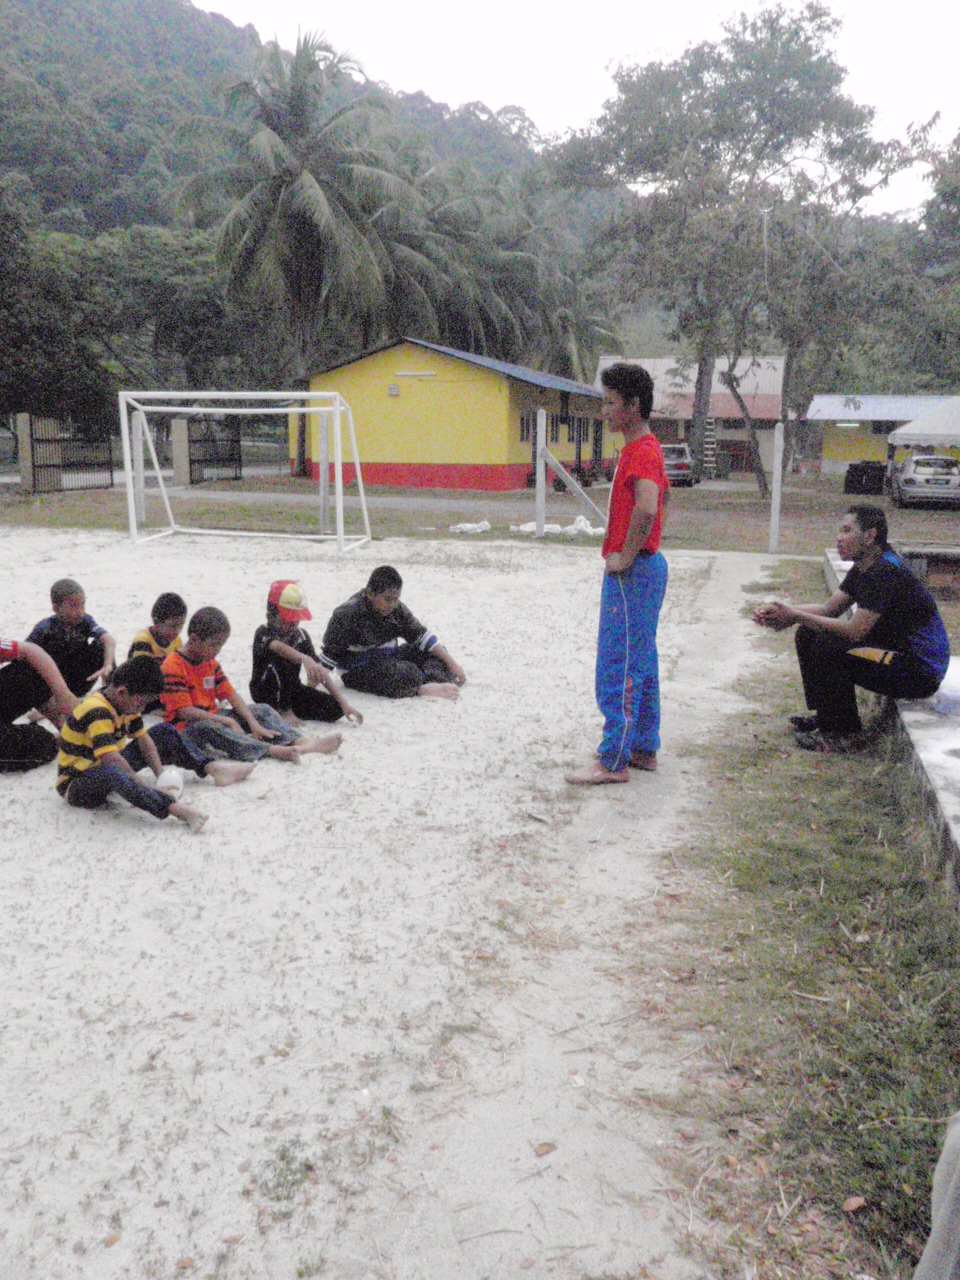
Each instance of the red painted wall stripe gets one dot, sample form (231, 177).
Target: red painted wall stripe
(428, 475)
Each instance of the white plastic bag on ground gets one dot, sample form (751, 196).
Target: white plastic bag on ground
(482, 527)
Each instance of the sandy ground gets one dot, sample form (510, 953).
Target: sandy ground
(372, 1021)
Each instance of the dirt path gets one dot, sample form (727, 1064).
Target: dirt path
(374, 1021)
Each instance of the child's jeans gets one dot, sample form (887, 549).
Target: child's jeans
(216, 741)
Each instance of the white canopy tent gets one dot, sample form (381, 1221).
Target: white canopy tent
(938, 426)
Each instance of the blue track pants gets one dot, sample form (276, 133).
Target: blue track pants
(628, 675)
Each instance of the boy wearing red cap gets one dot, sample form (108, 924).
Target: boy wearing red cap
(280, 649)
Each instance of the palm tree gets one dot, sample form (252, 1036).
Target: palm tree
(303, 229)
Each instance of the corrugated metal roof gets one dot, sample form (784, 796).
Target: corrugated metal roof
(852, 408)
(761, 384)
(516, 371)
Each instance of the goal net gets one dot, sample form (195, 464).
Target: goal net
(327, 409)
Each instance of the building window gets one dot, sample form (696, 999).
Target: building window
(554, 428)
(571, 430)
(526, 426)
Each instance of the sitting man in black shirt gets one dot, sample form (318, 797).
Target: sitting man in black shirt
(894, 643)
(363, 638)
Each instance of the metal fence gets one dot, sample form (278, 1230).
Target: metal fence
(62, 457)
(214, 451)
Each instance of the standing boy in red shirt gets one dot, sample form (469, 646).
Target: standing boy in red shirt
(634, 584)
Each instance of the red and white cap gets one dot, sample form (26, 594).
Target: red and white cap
(289, 600)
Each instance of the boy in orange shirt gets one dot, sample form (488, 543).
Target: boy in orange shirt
(196, 684)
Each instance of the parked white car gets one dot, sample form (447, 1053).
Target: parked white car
(679, 465)
(926, 478)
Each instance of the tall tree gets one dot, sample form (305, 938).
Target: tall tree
(712, 140)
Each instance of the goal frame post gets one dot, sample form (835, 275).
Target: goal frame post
(328, 407)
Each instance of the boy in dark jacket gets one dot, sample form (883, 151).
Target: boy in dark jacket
(382, 648)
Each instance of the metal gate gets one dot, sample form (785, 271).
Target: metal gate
(64, 458)
(214, 451)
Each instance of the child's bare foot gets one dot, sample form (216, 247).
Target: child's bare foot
(226, 772)
(293, 719)
(325, 745)
(194, 819)
(434, 690)
(285, 753)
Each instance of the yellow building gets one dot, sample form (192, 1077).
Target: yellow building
(855, 428)
(431, 417)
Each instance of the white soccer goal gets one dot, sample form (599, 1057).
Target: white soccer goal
(329, 408)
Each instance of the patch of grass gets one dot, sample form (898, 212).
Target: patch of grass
(829, 996)
(288, 1171)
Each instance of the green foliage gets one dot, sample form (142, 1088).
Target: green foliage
(47, 365)
(93, 97)
(359, 234)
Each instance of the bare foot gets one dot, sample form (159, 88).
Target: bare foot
(325, 745)
(194, 819)
(293, 719)
(433, 690)
(226, 772)
(594, 774)
(644, 760)
(285, 753)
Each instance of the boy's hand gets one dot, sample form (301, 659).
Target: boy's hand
(264, 735)
(102, 674)
(458, 673)
(352, 714)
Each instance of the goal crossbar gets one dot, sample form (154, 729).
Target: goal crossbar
(330, 409)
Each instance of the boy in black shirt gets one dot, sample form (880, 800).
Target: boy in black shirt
(280, 650)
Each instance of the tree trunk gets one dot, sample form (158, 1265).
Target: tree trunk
(788, 405)
(755, 459)
(701, 405)
(301, 466)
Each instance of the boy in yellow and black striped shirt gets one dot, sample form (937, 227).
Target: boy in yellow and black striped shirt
(169, 614)
(104, 742)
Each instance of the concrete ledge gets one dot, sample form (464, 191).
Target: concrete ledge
(932, 741)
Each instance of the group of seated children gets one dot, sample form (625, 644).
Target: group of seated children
(207, 728)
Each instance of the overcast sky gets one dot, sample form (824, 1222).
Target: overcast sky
(901, 59)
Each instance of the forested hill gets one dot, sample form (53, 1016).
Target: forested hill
(96, 97)
(93, 95)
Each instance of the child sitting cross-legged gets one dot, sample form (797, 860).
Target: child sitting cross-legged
(103, 743)
(281, 649)
(196, 685)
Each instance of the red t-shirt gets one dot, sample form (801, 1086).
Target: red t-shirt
(640, 460)
(9, 650)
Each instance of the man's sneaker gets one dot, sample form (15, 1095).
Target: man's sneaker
(805, 724)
